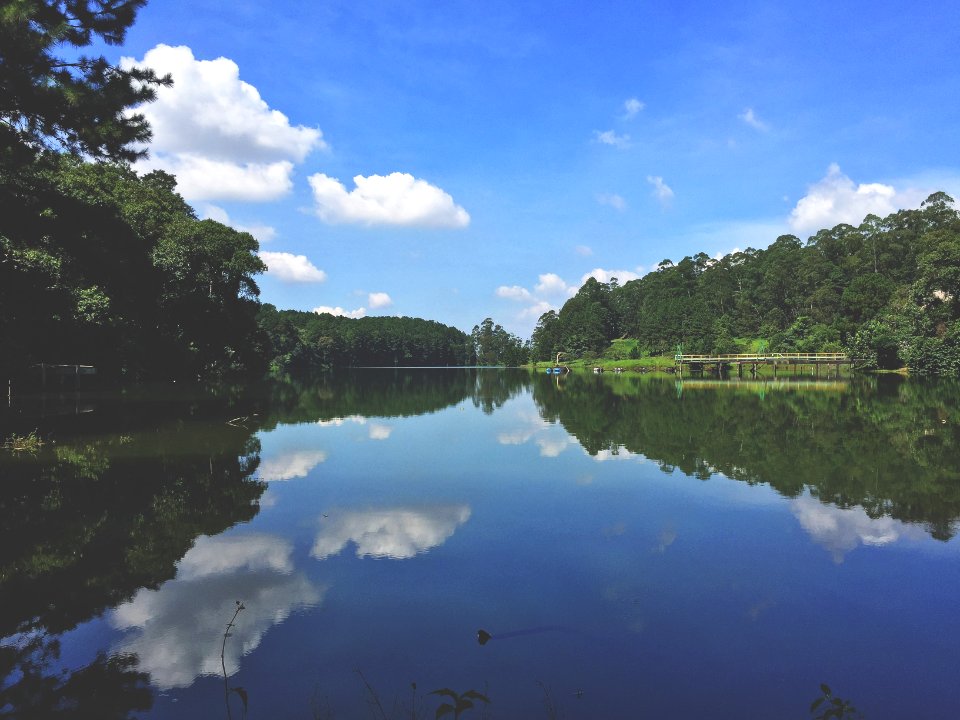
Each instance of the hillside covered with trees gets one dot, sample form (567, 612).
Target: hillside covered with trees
(888, 291)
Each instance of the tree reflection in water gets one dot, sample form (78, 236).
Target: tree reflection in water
(889, 447)
(87, 522)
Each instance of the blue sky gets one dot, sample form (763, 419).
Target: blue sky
(458, 160)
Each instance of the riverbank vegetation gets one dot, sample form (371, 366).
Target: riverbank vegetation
(887, 291)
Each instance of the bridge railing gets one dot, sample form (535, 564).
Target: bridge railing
(761, 357)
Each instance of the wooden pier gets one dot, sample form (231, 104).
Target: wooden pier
(697, 363)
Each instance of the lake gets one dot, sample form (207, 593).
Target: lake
(563, 547)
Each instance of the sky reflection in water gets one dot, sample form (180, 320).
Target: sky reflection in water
(601, 510)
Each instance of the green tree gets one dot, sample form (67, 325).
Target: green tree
(52, 97)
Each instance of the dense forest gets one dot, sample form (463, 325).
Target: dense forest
(888, 291)
(304, 341)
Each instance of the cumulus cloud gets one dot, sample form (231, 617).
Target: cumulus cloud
(661, 191)
(610, 137)
(837, 199)
(397, 533)
(291, 465)
(290, 268)
(552, 284)
(395, 199)
(750, 118)
(377, 300)
(631, 107)
(536, 302)
(841, 530)
(514, 292)
(551, 291)
(200, 178)
(533, 312)
(340, 312)
(613, 200)
(263, 233)
(216, 134)
(177, 630)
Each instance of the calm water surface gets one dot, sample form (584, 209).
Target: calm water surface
(634, 547)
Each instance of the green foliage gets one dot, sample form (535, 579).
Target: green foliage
(835, 291)
(493, 345)
(299, 342)
(23, 443)
(55, 99)
(102, 267)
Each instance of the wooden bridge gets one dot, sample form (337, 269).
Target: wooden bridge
(697, 363)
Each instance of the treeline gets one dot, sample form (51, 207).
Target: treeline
(99, 266)
(305, 341)
(888, 291)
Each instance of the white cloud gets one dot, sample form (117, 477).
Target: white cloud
(610, 137)
(200, 178)
(840, 530)
(613, 200)
(340, 312)
(661, 191)
(378, 300)
(584, 250)
(263, 233)
(291, 465)
(216, 134)
(631, 107)
(552, 284)
(533, 312)
(177, 630)
(750, 118)
(605, 276)
(514, 292)
(290, 268)
(395, 199)
(837, 199)
(397, 533)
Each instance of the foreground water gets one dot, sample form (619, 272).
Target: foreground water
(630, 547)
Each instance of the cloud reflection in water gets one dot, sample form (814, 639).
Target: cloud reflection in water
(841, 530)
(397, 533)
(291, 465)
(177, 630)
